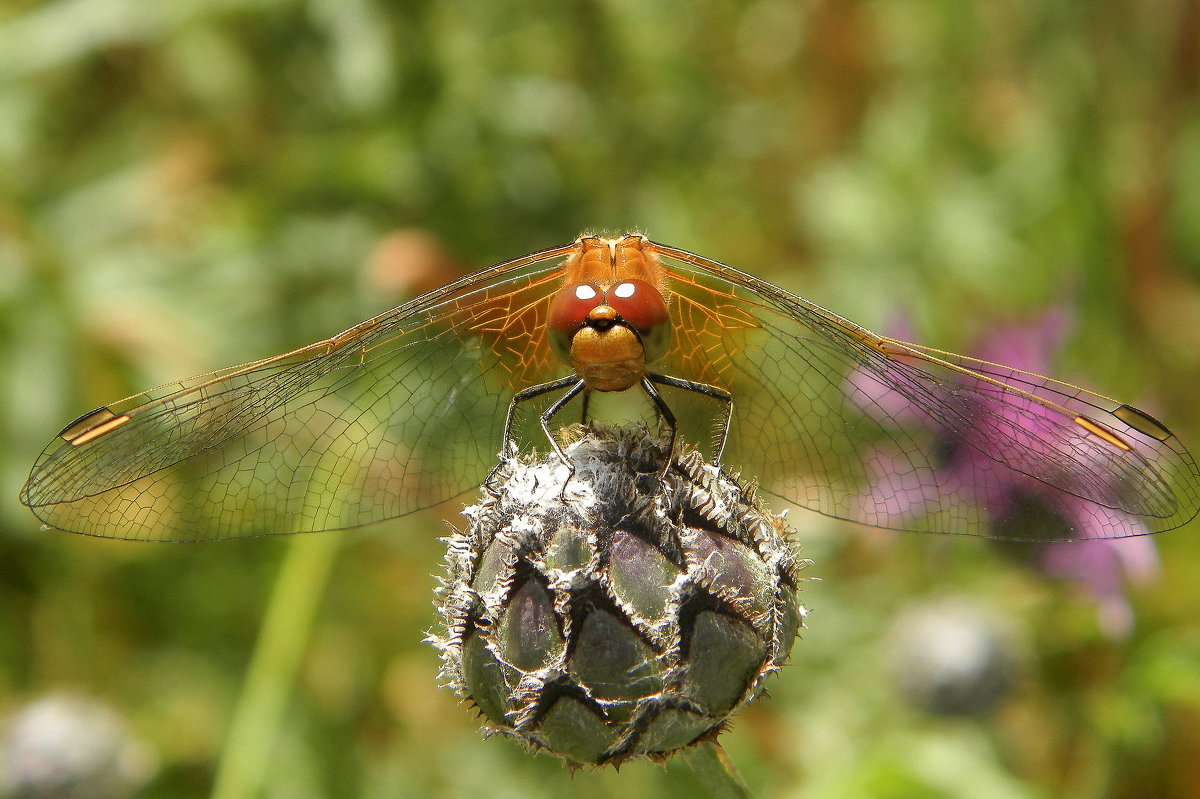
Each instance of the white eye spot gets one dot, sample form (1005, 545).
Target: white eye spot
(585, 292)
(625, 290)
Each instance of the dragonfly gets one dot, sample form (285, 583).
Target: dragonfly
(408, 409)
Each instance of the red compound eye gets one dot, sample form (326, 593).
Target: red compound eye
(641, 306)
(568, 313)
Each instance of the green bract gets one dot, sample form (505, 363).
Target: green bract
(605, 610)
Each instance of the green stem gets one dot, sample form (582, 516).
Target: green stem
(285, 632)
(716, 772)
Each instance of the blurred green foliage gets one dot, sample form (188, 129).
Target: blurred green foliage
(190, 184)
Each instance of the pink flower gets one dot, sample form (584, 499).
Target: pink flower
(1018, 507)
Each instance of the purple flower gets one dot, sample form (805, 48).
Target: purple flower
(1017, 506)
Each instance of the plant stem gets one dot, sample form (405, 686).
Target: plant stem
(285, 632)
(716, 771)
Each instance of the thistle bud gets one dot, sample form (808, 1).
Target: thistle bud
(606, 608)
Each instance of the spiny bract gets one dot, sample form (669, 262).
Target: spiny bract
(607, 610)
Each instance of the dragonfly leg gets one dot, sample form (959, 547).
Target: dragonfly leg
(706, 390)
(553, 410)
(509, 447)
(583, 411)
(668, 417)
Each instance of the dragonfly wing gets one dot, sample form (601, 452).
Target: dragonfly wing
(399, 413)
(853, 425)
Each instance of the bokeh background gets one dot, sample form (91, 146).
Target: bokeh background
(191, 184)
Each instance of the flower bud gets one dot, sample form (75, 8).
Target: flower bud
(605, 609)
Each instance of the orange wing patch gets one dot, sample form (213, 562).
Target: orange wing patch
(710, 326)
(510, 321)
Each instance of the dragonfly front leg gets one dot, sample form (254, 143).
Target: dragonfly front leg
(704, 389)
(574, 386)
(553, 410)
(509, 448)
(668, 418)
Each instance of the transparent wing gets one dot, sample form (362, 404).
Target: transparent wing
(857, 426)
(398, 413)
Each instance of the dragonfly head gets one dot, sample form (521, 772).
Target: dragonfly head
(609, 334)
